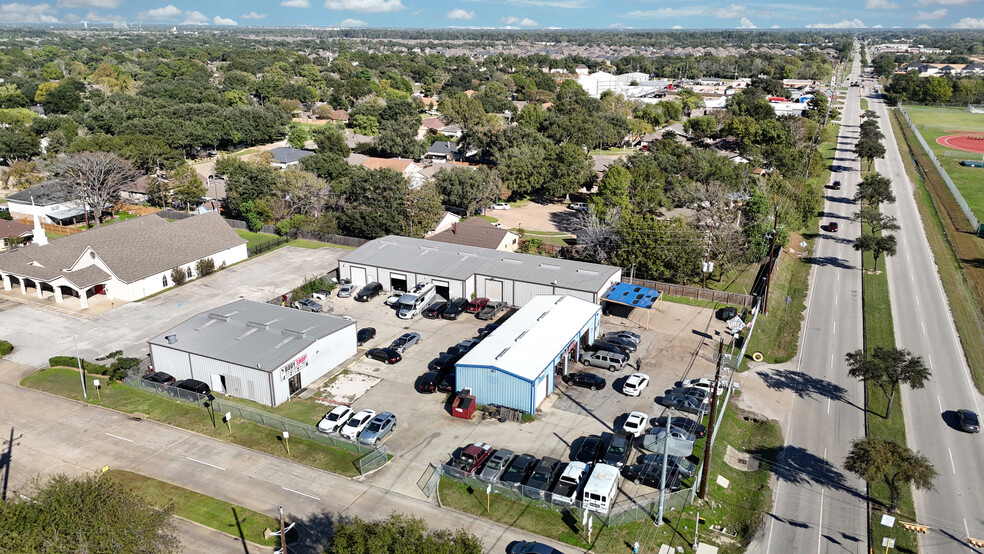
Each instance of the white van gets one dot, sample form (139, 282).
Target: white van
(601, 489)
(415, 301)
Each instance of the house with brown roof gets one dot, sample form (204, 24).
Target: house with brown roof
(478, 232)
(128, 260)
(408, 168)
(13, 233)
(339, 115)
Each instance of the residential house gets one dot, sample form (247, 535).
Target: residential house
(13, 233)
(478, 232)
(339, 116)
(287, 156)
(408, 168)
(581, 69)
(51, 200)
(442, 151)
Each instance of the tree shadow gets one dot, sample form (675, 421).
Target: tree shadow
(804, 385)
(831, 215)
(797, 466)
(568, 221)
(977, 263)
(832, 261)
(841, 199)
(312, 533)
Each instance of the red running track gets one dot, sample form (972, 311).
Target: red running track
(964, 142)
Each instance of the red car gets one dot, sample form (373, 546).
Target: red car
(476, 305)
(473, 456)
(832, 227)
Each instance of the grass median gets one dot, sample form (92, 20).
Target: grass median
(117, 396)
(199, 508)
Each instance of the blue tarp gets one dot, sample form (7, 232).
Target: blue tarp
(632, 295)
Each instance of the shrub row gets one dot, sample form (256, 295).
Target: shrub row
(5, 348)
(116, 372)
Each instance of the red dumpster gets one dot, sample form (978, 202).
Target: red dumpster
(463, 406)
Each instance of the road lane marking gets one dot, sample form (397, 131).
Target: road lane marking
(834, 329)
(820, 522)
(966, 528)
(301, 493)
(119, 437)
(952, 466)
(205, 463)
(940, 402)
(924, 327)
(917, 299)
(835, 300)
(828, 405)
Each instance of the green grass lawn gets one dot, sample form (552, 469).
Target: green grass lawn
(117, 396)
(934, 122)
(255, 239)
(776, 333)
(210, 512)
(613, 152)
(864, 104)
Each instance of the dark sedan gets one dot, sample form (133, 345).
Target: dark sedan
(591, 449)
(625, 344)
(523, 547)
(447, 384)
(684, 424)
(586, 380)
(444, 362)
(650, 475)
(435, 310)
(519, 469)
(455, 308)
(609, 346)
(385, 355)
(428, 382)
(969, 422)
(159, 378)
(687, 404)
(365, 335)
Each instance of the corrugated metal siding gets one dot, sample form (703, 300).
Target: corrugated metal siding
(524, 292)
(171, 361)
(583, 295)
(491, 386)
(540, 393)
(204, 368)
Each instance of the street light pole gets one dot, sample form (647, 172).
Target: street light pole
(78, 360)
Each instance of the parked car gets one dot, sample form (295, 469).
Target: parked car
(635, 384)
(676, 464)
(471, 457)
(462, 347)
(636, 424)
(626, 334)
(592, 447)
(524, 547)
(307, 305)
(491, 310)
(435, 310)
(691, 426)
(500, 206)
(519, 469)
(487, 330)
(385, 355)
(695, 392)
(444, 362)
(159, 378)
(497, 465)
(703, 383)
(369, 292)
(448, 383)
(357, 423)
(189, 389)
(455, 308)
(428, 382)
(365, 335)
(572, 478)
(605, 346)
(393, 299)
(969, 422)
(585, 379)
(628, 345)
(617, 451)
(687, 404)
(476, 305)
(334, 419)
(612, 361)
(321, 295)
(378, 429)
(346, 290)
(650, 475)
(726, 313)
(621, 335)
(543, 477)
(405, 341)
(676, 433)
(578, 206)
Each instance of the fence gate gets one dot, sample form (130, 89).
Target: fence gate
(373, 460)
(429, 479)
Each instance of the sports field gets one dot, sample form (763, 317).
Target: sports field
(936, 122)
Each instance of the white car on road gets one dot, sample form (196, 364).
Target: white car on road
(354, 426)
(500, 206)
(634, 384)
(636, 424)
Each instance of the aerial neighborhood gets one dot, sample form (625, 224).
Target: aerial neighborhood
(383, 286)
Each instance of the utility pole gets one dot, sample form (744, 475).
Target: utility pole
(707, 267)
(662, 479)
(707, 445)
(283, 539)
(772, 250)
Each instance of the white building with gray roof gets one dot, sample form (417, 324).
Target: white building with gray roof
(260, 352)
(399, 263)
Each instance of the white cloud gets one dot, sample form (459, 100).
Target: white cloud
(296, 3)
(676, 27)
(224, 21)
(253, 15)
(461, 14)
(775, 27)
(843, 24)
(924, 26)
(945, 3)
(25, 13)
(732, 11)
(746, 24)
(618, 26)
(353, 23)
(935, 14)
(89, 4)
(167, 12)
(878, 27)
(522, 22)
(195, 18)
(365, 6)
(880, 5)
(729, 12)
(970, 23)
(569, 4)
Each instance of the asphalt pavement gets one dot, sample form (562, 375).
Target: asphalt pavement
(818, 506)
(924, 325)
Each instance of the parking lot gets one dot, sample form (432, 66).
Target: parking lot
(681, 343)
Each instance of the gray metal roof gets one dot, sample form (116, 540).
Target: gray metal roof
(251, 334)
(455, 261)
(286, 154)
(44, 194)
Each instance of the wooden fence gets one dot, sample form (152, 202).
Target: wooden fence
(696, 293)
(52, 228)
(341, 240)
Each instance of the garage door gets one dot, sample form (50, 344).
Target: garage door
(358, 276)
(443, 289)
(398, 281)
(541, 391)
(493, 290)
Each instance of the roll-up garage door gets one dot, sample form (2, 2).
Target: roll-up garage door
(493, 290)
(443, 289)
(358, 276)
(398, 281)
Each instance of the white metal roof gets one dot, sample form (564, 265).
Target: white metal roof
(531, 338)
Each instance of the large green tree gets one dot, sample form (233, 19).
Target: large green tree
(888, 368)
(84, 514)
(399, 534)
(467, 187)
(879, 460)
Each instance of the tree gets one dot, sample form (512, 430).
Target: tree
(689, 101)
(875, 189)
(96, 178)
(398, 139)
(65, 98)
(296, 136)
(89, 513)
(877, 245)
(374, 204)
(364, 124)
(874, 459)
(869, 150)
(700, 127)
(16, 143)
(876, 220)
(468, 188)
(247, 182)
(398, 534)
(531, 116)
(458, 109)
(20, 175)
(329, 138)
(937, 89)
(888, 368)
(613, 190)
(298, 192)
(186, 185)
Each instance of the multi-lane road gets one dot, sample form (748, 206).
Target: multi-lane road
(819, 507)
(924, 325)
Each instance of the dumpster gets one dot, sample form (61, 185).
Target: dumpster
(463, 406)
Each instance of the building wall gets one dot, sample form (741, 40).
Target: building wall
(172, 361)
(324, 355)
(18, 209)
(155, 283)
(491, 386)
(457, 288)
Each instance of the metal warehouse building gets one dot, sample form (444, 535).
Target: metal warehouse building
(516, 365)
(399, 263)
(261, 352)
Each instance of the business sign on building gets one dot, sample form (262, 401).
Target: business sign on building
(293, 368)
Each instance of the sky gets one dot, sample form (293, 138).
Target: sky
(516, 14)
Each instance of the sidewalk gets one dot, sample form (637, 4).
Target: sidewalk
(56, 435)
